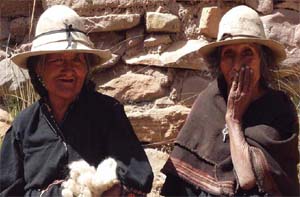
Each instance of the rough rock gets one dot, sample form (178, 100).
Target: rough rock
(4, 24)
(107, 40)
(5, 120)
(2, 55)
(188, 85)
(262, 6)
(157, 124)
(162, 22)
(112, 22)
(209, 21)
(164, 102)
(15, 8)
(4, 115)
(157, 160)
(132, 87)
(155, 40)
(134, 36)
(284, 26)
(19, 28)
(290, 4)
(4, 126)
(102, 4)
(11, 76)
(174, 56)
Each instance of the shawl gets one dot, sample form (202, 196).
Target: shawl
(270, 124)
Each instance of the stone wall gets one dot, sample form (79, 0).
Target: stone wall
(155, 71)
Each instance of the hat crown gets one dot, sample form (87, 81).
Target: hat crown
(60, 23)
(58, 17)
(241, 21)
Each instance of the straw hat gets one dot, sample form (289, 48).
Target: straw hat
(60, 29)
(242, 24)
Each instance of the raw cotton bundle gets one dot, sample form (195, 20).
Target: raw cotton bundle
(86, 181)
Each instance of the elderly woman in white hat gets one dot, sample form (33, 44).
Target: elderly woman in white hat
(70, 122)
(241, 135)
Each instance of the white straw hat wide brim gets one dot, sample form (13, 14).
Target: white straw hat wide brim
(242, 24)
(276, 47)
(100, 56)
(60, 29)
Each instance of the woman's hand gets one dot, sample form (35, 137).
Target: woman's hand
(240, 95)
(114, 191)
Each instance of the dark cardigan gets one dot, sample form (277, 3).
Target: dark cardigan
(36, 151)
(201, 163)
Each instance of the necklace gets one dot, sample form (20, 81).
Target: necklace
(225, 133)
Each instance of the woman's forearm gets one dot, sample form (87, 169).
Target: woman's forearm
(239, 149)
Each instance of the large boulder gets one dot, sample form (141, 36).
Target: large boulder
(181, 54)
(4, 24)
(93, 7)
(20, 27)
(162, 22)
(284, 26)
(188, 85)
(155, 40)
(209, 21)
(262, 6)
(112, 22)
(157, 124)
(15, 8)
(288, 4)
(5, 120)
(11, 76)
(157, 161)
(135, 36)
(132, 87)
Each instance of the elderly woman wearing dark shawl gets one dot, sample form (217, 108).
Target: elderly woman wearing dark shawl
(70, 123)
(241, 135)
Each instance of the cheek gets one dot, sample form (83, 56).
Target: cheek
(226, 70)
(255, 66)
(81, 73)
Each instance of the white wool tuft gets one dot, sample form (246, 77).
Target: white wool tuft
(86, 181)
(106, 175)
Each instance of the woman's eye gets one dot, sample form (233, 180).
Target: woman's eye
(247, 53)
(55, 61)
(228, 54)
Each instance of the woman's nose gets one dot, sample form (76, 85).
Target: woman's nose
(67, 64)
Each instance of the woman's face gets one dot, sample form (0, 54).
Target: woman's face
(234, 57)
(63, 74)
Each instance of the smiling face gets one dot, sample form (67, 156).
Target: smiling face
(63, 75)
(234, 57)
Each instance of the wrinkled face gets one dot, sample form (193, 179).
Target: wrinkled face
(234, 57)
(63, 74)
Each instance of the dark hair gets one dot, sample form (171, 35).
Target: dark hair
(36, 80)
(32, 63)
(267, 65)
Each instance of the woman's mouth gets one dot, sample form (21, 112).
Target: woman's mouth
(67, 80)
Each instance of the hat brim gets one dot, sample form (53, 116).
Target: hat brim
(276, 47)
(99, 56)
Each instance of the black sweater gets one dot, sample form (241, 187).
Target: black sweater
(36, 151)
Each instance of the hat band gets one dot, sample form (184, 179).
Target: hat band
(68, 30)
(228, 35)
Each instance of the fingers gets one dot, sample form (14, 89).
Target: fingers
(246, 81)
(235, 83)
(241, 79)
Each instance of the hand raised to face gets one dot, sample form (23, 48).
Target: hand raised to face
(240, 94)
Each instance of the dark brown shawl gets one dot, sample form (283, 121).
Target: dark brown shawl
(201, 158)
